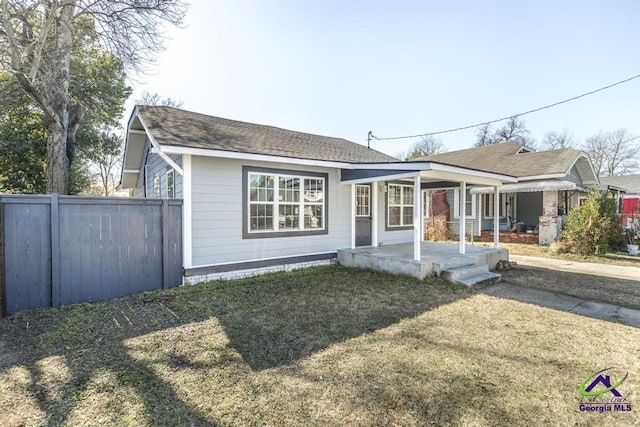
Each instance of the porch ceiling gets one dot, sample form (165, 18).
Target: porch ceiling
(428, 172)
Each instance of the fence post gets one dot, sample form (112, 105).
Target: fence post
(164, 218)
(55, 250)
(2, 286)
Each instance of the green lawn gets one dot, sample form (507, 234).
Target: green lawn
(324, 346)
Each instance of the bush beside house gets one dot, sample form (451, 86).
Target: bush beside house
(594, 227)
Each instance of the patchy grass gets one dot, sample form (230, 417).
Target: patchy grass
(543, 251)
(325, 346)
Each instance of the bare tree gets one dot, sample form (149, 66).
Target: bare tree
(484, 136)
(427, 146)
(36, 42)
(148, 98)
(514, 129)
(623, 153)
(614, 153)
(554, 139)
(596, 145)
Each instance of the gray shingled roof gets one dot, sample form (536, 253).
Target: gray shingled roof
(502, 158)
(631, 183)
(176, 127)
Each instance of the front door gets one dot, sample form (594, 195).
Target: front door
(363, 215)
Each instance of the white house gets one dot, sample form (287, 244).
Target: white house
(258, 197)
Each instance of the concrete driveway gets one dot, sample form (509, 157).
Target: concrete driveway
(571, 304)
(557, 301)
(605, 270)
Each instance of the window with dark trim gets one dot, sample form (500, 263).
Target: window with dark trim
(399, 205)
(278, 203)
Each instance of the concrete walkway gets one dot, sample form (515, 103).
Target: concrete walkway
(597, 310)
(606, 270)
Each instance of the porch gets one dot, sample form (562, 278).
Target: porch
(436, 259)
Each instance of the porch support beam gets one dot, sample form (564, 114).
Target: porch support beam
(374, 214)
(187, 230)
(416, 218)
(353, 216)
(496, 217)
(463, 215)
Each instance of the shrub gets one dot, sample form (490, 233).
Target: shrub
(561, 247)
(437, 229)
(593, 228)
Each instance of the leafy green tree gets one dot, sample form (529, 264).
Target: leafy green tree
(594, 227)
(100, 87)
(41, 42)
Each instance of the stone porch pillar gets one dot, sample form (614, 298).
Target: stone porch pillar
(549, 223)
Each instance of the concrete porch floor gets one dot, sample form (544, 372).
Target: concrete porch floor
(435, 257)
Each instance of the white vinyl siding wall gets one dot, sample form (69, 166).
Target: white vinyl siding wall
(217, 215)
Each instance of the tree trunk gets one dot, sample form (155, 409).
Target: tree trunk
(57, 161)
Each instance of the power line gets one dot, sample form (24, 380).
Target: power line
(370, 135)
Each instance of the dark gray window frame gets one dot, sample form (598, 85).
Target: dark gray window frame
(273, 234)
(386, 208)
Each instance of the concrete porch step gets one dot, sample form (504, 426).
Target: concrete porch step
(488, 278)
(470, 275)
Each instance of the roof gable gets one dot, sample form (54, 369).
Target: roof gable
(170, 126)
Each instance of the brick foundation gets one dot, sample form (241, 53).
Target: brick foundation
(508, 237)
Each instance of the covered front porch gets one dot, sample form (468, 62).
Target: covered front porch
(387, 208)
(436, 259)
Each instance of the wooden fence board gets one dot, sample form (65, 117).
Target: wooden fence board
(66, 250)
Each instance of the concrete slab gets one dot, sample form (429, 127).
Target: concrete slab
(596, 310)
(434, 258)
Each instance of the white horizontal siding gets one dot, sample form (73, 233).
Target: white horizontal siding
(217, 216)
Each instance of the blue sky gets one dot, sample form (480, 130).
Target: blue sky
(342, 68)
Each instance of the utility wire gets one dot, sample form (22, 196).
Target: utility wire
(507, 117)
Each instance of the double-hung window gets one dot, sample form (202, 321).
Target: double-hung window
(470, 207)
(171, 184)
(284, 203)
(399, 205)
(489, 205)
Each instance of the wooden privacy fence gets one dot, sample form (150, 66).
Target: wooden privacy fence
(65, 249)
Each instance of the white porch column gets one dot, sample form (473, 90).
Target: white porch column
(496, 217)
(353, 216)
(374, 214)
(416, 218)
(426, 201)
(463, 215)
(187, 230)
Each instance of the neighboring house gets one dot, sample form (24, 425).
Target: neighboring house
(258, 197)
(549, 185)
(630, 200)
